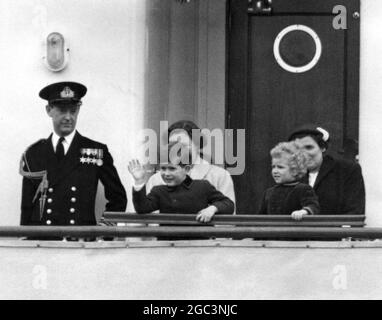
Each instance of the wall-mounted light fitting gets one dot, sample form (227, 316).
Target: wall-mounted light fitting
(57, 53)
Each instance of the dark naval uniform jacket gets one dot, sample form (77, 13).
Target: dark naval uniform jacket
(340, 187)
(72, 184)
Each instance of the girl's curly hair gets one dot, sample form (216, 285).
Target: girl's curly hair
(296, 155)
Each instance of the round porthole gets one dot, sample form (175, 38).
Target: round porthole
(297, 48)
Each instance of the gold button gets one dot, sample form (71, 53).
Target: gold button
(48, 222)
(49, 211)
(50, 200)
(73, 188)
(72, 210)
(72, 221)
(50, 189)
(73, 199)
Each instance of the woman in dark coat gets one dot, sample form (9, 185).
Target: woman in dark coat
(338, 183)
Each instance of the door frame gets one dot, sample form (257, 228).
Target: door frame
(237, 39)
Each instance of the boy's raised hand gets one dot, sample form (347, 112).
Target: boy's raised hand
(205, 215)
(137, 171)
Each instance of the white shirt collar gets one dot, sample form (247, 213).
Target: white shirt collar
(67, 142)
(312, 178)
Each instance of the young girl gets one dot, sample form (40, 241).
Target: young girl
(289, 196)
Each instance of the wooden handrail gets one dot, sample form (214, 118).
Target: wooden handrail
(194, 232)
(249, 223)
(238, 220)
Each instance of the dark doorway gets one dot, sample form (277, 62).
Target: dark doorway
(288, 65)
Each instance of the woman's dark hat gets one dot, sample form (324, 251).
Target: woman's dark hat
(63, 92)
(310, 130)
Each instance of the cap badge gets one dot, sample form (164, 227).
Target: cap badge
(67, 93)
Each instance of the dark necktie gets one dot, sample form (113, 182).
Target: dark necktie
(60, 154)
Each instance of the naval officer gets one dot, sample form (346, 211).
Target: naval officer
(61, 173)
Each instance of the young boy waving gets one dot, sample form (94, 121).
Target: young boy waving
(181, 194)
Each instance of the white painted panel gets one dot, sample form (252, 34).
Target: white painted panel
(199, 272)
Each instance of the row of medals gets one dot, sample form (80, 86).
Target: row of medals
(91, 156)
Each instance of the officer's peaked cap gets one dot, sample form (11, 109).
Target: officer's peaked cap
(63, 92)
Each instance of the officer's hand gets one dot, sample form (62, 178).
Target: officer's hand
(137, 171)
(298, 214)
(206, 214)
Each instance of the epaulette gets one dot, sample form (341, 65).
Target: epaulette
(35, 144)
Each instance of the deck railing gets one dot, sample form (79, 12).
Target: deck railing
(222, 226)
(238, 220)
